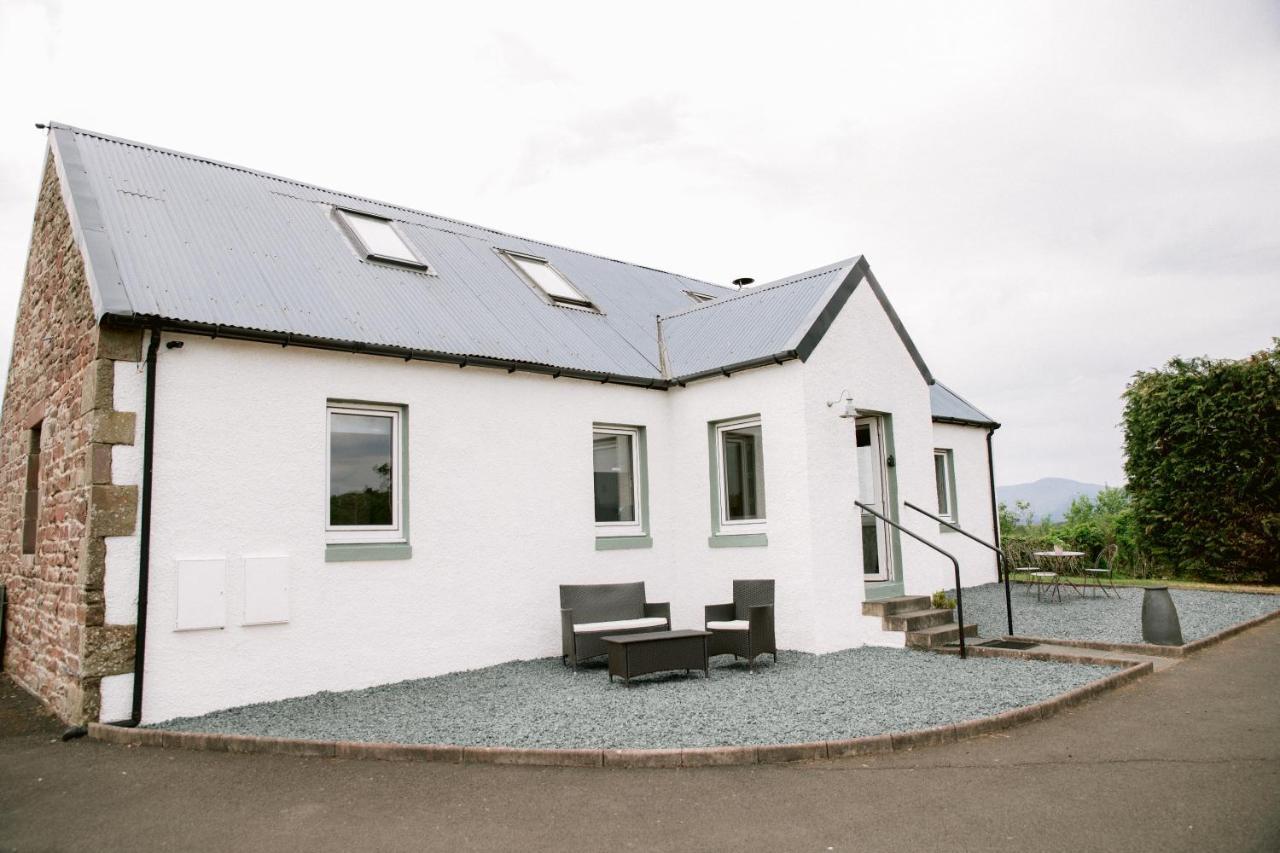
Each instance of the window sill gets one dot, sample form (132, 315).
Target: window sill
(353, 552)
(622, 543)
(944, 529)
(738, 540)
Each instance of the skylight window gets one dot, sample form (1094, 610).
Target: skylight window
(377, 239)
(548, 280)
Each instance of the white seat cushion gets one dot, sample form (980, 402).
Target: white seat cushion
(619, 625)
(735, 625)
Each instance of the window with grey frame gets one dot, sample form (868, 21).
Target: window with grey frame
(365, 472)
(741, 467)
(616, 470)
(944, 476)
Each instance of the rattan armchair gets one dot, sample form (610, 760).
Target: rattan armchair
(744, 627)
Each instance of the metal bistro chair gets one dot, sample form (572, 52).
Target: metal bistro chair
(744, 627)
(1025, 571)
(1048, 583)
(1103, 573)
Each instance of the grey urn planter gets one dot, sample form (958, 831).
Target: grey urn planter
(1160, 625)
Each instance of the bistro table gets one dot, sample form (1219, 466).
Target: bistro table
(1058, 577)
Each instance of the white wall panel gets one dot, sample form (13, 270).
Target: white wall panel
(266, 590)
(201, 594)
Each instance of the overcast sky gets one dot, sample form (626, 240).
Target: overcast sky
(1053, 195)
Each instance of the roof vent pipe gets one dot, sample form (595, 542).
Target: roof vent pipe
(743, 282)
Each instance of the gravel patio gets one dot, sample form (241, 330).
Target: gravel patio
(543, 704)
(1113, 620)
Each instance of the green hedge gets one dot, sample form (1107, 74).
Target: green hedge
(1202, 445)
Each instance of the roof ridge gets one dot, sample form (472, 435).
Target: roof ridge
(172, 152)
(847, 263)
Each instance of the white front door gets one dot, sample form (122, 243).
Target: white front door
(873, 491)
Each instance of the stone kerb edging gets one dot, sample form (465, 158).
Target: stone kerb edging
(1148, 648)
(691, 757)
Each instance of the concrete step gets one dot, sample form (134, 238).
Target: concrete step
(885, 606)
(939, 635)
(914, 620)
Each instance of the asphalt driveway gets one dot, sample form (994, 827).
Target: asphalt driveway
(1186, 759)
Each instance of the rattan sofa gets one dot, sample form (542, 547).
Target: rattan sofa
(744, 627)
(589, 612)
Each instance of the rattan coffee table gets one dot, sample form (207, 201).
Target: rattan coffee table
(657, 651)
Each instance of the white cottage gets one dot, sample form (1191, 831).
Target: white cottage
(262, 439)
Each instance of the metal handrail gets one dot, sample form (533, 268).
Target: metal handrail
(1000, 559)
(916, 536)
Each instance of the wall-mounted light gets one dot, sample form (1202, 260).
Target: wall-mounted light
(843, 404)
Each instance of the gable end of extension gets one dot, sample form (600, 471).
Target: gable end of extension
(61, 500)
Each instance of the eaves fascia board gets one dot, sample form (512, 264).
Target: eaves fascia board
(938, 419)
(106, 287)
(730, 369)
(284, 339)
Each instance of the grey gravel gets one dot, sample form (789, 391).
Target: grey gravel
(1112, 620)
(542, 703)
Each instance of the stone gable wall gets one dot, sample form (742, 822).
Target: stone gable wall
(61, 377)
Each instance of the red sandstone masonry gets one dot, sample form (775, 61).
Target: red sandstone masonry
(61, 376)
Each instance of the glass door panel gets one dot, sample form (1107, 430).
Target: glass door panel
(872, 491)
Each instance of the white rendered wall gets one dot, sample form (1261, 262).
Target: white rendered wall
(501, 513)
(120, 580)
(120, 584)
(863, 354)
(500, 509)
(973, 502)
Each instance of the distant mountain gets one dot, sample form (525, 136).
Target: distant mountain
(1049, 497)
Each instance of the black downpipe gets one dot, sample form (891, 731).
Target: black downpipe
(1000, 561)
(144, 529)
(995, 523)
(954, 562)
(991, 481)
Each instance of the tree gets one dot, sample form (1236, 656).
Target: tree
(1202, 447)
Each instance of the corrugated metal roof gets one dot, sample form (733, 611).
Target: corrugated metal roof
(186, 239)
(947, 405)
(758, 323)
(202, 242)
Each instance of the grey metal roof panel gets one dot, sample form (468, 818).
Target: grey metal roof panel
(756, 324)
(947, 405)
(201, 242)
(194, 241)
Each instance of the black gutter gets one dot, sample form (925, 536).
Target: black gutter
(995, 525)
(404, 354)
(942, 419)
(144, 531)
(728, 369)
(284, 339)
